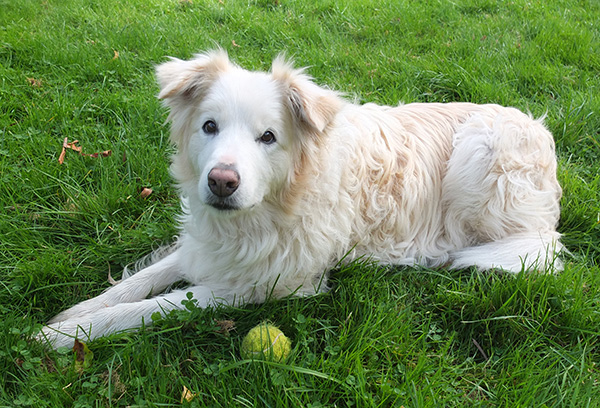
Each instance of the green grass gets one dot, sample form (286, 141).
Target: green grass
(381, 337)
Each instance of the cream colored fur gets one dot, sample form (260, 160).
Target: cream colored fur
(439, 185)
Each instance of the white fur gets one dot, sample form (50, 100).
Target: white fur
(448, 185)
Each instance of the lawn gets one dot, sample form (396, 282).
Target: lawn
(386, 337)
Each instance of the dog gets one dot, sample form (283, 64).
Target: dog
(281, 179)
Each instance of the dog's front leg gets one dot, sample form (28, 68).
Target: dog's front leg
(125, 316)
(149, 281)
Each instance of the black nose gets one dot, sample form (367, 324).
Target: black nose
(223, 181)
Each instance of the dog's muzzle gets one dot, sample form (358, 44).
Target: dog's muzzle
(223, 180)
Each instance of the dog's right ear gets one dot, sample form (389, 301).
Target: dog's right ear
(190, 79)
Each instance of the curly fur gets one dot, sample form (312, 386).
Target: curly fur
(449, 185)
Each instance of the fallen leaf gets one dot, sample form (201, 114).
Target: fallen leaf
(36, 83)
(73, 146)
(61, 158)
(113, 377)
(105, 153)
(116, 56)
(146, 192)
(234, 43)
(83, 356)
(225, 326)
(187, 395)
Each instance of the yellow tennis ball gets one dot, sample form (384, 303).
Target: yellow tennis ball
(266, 342)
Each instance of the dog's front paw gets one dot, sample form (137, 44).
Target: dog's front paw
(62, 334)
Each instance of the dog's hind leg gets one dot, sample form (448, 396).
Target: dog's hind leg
(147, 282)
(123, 316)
(501, 196)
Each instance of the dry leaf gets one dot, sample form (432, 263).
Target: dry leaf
(105, 153)
(146, 192)
(234, 43)
(36, 83)
(83, 355)
(114, 378)
(187, 395)
(61, 158)
(225, 326)
(116, 56)
(73, 146)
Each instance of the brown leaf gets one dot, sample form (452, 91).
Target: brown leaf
(73, 146)
(234, 43)
(113, 377)
(83, 355)
(105, 153)
(146, 192)
(36, 83)
(78, 350)
(61, 158)
(225, 326)
(116, 56)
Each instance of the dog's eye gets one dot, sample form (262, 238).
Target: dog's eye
(268, 137)
(210, 127)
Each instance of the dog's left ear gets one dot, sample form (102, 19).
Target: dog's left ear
(310, 104)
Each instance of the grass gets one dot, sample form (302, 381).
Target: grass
(381, 337)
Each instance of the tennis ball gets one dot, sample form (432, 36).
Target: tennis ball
(266, 342)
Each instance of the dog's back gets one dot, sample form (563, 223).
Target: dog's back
(444, 184)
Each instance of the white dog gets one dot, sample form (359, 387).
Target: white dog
(281, 178)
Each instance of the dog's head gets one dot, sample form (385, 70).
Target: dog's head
(240, 134)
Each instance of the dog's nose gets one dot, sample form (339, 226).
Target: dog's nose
(223, 181)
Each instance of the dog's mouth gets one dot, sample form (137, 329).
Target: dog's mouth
(223, 204)
(229, 206)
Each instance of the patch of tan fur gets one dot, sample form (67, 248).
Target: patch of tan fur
(190, 78)
(312, 109)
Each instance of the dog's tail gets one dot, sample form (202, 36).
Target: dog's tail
(526, 251)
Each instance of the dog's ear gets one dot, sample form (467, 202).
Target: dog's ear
(310, 104)
(190, 79)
